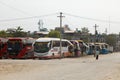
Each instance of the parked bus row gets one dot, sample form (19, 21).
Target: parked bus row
(52, 48)
(102, 48)
(17, 48)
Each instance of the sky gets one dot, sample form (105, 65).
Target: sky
(78, 14)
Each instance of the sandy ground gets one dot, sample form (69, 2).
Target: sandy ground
(83, 68)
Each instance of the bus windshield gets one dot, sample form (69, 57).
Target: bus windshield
(41, 47)
(14, 45)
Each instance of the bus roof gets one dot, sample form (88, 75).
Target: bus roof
(23, 40)
(49, 39)
(15, 39)
(80, 40)
(98, 43)
(101, 43)
(3, 40)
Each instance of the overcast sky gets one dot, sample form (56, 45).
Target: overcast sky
(108, 10)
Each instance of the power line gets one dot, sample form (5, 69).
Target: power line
(32, 17)
(99, 20)
(16, 9)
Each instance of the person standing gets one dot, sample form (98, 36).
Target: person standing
(97, 53)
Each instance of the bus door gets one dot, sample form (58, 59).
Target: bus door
(76, 48)
(68, 49)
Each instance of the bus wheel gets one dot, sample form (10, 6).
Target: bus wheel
(63, 55)
(33, 58)
(4, 56)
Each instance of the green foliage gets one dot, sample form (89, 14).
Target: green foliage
(19, 32)
(53, 33)
(84, 30)
(3, 33)
(19, 29)
(111, 39)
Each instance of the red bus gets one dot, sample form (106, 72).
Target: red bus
(19, 48)
(3, 47)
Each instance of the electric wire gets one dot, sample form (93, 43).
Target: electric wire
(32, 17)
(16, 9)
(99, 20)
(21, 11)
(24, 18)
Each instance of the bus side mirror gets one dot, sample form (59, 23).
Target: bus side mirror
(33, 44)
(48, 45)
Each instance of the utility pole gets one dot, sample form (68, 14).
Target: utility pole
(95, 38)
(109, 24)
(95, 29)
(61, 16)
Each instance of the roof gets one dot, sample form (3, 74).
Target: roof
(3, 40)
(69, 31)
(80, 40)
(24, 40)
(42, 32)
(49, 39)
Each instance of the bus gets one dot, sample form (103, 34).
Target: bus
(19, 48)
(50, 48)
(83, 46)
(103, 48)
(3, 47)
(91, 49)
(77, 50)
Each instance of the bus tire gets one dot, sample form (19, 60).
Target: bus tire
(63, 55)
(4, 56)
(26, 56)
(33, 58)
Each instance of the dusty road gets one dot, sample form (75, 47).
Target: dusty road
(83, 68)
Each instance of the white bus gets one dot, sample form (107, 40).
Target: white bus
(50, 48)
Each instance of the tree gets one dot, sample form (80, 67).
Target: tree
(85, 34)
(111, 39)
(19, 29)
(53, 33)
(3, 33)
(19, 33)
(84, 30)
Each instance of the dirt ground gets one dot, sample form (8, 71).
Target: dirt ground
(107, 67)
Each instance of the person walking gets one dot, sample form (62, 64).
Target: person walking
(97, 53)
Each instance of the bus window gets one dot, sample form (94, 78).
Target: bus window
(56, 43)
(106, 46)
(41, 47)
(64, 44)
(18, 47)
